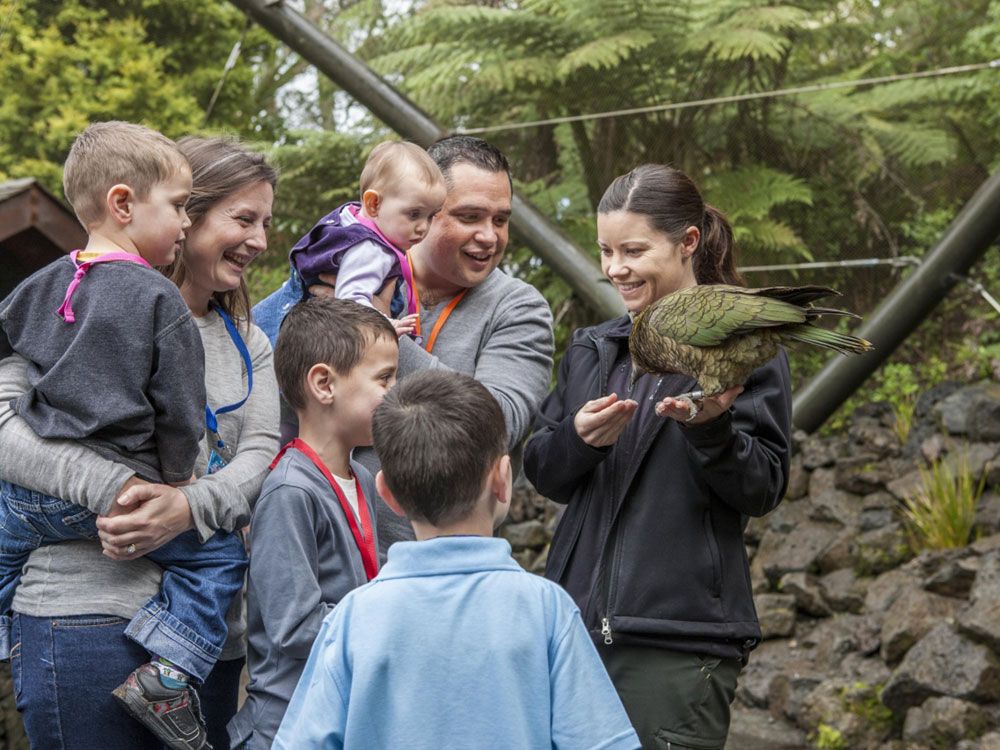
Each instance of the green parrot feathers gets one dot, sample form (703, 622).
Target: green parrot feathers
(720, 334)
(711, 314)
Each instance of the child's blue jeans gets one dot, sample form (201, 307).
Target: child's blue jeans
(184, 623)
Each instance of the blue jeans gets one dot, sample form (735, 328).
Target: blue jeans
(185, 622)
(64, 669)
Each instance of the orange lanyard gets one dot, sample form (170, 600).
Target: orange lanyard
(439, 323)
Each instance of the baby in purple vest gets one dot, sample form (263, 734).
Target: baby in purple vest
(365, 244)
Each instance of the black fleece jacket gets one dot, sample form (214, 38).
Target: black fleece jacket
(669, 568)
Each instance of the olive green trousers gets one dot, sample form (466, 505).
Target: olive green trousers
(676, 700)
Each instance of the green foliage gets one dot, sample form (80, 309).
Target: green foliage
(828, 738)
(865, 702)
(897, 383)
(754, 191)
(941, 512)
(64, 65)
(900, 388)
(319, 171)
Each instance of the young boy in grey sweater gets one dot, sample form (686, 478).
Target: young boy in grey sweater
(312, 537)
(128, 383)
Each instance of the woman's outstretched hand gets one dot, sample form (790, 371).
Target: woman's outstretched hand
(145, 515)
(601, 421)
(711, 407)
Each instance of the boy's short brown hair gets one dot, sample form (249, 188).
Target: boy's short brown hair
(324, 330)
(109, 153)
(437, 434)
(392, 161)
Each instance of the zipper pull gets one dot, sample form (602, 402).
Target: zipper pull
(606, 631)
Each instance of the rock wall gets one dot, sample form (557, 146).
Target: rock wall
(866, 645)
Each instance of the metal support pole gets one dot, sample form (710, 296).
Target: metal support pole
(968, 237)
(407, 119)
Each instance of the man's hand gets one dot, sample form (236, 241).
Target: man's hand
(601, 421)
(381, 300)
(326, 289)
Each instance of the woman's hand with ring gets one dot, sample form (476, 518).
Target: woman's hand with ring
(157, 513)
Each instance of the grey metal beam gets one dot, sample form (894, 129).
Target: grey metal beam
(967, 238)
(406, 118)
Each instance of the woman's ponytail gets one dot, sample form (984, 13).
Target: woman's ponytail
(715, 258)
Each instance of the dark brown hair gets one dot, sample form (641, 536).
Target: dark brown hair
(671, 203)
(109, 153)
(324, 330)
(219, 168)
(437, 434)
(468, 149)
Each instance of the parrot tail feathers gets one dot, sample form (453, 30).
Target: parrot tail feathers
(814, 312)
(838, 342)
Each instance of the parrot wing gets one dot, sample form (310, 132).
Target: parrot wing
(707, 315)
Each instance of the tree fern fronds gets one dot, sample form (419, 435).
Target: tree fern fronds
(775, 238)
(749, 32)
(753, 190)
(605, 52)
(911, 143)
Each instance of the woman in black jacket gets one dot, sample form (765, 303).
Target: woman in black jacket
(651, 543)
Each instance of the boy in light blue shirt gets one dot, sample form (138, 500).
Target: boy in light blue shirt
(452, 644)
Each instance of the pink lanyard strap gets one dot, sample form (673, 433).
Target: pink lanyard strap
(404, 263)
(66, 308)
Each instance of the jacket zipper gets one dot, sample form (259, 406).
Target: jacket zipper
(609, 587)
(603, 375)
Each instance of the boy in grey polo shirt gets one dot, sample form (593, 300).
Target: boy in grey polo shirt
(312, 539)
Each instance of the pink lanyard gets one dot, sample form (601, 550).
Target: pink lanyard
(404, 263)
(66, 308)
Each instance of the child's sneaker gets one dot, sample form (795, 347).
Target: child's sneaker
(172, 714)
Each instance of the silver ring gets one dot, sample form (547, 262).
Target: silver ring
(130, 550)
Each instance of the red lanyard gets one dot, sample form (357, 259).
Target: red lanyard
(439, 323)
(363, 537)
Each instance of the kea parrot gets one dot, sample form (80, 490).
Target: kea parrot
(719, 334)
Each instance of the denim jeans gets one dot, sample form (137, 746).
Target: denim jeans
(64, 669)
(185, 622)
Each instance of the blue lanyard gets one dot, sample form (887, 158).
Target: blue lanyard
(211, 421)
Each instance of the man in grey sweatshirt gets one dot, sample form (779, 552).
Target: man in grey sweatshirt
(474, 318)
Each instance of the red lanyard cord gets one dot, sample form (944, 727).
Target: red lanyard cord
(363, 537)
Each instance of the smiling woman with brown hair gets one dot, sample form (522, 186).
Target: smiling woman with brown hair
(651, 543)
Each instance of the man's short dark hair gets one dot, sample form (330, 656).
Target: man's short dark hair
(467, 149)
(324, 330)
(437, 433)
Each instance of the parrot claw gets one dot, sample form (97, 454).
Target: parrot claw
(692, 399)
